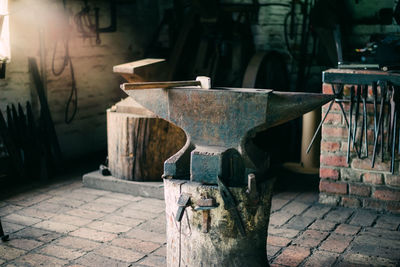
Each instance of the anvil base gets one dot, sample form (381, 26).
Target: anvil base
(209, 236)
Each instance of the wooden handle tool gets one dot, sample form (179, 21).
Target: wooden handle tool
(203, 82)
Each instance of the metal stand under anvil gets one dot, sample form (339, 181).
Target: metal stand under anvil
(220, 216)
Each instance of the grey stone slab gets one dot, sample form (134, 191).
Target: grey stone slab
(295, 207)
(363, 218)
(110, 183)
(339, 215)
(278, 203)
(308, 197)
(299, 222)
(382, 233)
(37, 234)
(356, 259)
(387, 221)
(279, 218)
(316, 211)
(377, 245)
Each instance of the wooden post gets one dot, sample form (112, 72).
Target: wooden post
(139, 142)
(188, 244)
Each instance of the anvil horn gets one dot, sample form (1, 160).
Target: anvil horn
(286, 106)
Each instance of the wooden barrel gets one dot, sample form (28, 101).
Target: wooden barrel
(222, 245)
(139, 142)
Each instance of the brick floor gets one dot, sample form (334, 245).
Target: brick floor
(66, 224)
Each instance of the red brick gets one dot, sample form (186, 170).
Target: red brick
(346, 229)
(333, 132)
(327, 88)
(311, 238)
(332, 187)
(386, 194)
(365, 164)
(323, 225)
(393, 180)
(359, 190)
(351, 202)
(328, 173)
(337, 161)
(292, 256)
(370, 136)
(336, 243)
(336, 108)
(333, 118)
(372, 178)
(330, 146)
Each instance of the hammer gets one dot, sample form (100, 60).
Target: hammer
(202, 81)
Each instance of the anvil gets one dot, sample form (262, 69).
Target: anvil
(219, 124)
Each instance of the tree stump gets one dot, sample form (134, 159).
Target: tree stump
(222, 245)
(139, 142)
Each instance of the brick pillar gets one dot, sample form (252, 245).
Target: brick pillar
(355, 184)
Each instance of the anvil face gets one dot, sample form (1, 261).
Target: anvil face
(218, 122)
(217, 117)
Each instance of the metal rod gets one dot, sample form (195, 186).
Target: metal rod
(375, 96)
(348, 101)
(364, 99)
(319, 126)
(358, 97)
(350, 121)
(383, 132)
(393, 142)
(383, 96)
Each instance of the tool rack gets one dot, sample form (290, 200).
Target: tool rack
(362, 88)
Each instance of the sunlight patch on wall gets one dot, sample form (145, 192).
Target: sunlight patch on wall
(5, 53)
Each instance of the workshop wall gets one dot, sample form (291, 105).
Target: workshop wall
(98, 87)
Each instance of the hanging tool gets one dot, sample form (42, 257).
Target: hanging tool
(385, 92)
(338, 95)
(349, 135)
(356, 115)
(113, 23)
(382, 85)
(183, 202)
(390, 117)
(394, 101)
(364, 95)
(230, 205)
(375, 97)
(393, 143)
